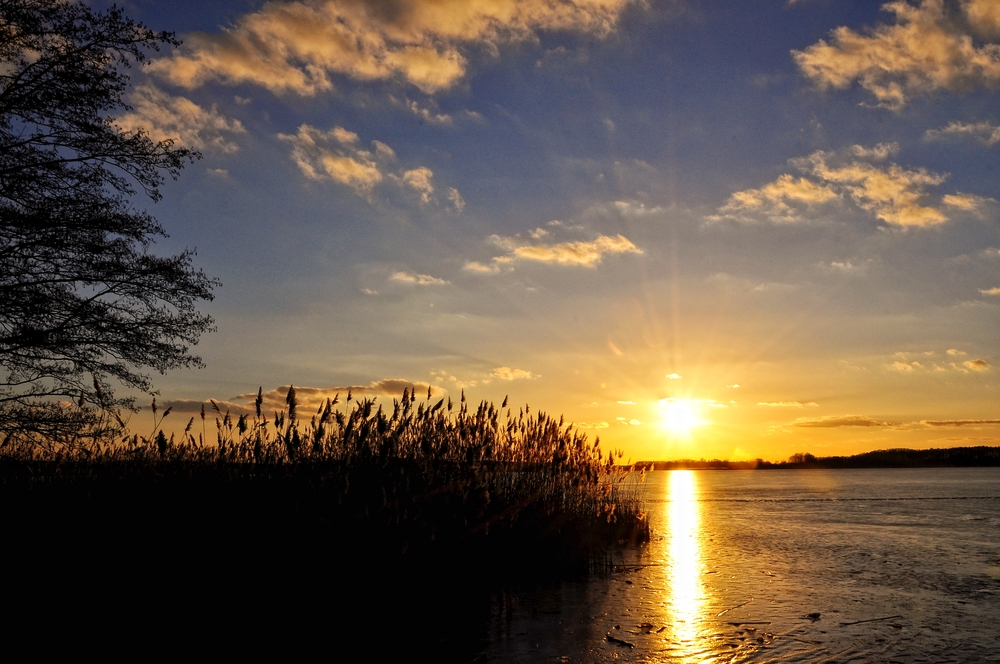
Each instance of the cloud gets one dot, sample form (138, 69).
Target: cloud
(480, 268)
(584, 254)
(418, 279)
(984, 18)
(419, 179)
(456, 200)
(193, 407)
(837, 421)
(955, 352)
(592, 425)
(297, 47)
(427, 115)
(165, 116)
(967, 202)
(674, 376)
(506, 373)
(337, 155)
(634, 423)
(787, 404)
(845, 267)
(781, 201)
(636, 209)
(893, 194)
(959, 423)
(976, 365)
(627, 403)
(927, 49)
(983, 131)
(312, 397)
(990, 291)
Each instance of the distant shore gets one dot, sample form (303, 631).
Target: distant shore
(951, 457)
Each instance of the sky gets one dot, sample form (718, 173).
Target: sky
(693, 228)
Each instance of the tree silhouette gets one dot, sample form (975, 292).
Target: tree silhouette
(83, 301)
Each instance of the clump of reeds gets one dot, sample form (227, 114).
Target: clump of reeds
(426, 480)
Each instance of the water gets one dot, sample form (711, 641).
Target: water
(776, 566)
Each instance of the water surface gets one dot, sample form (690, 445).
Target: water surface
(786, 565)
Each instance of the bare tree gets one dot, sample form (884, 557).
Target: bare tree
(83, 301)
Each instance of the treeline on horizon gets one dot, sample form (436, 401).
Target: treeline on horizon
(949, 457)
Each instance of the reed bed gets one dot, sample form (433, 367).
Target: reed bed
(429, 485)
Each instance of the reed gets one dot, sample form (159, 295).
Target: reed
(427, 484)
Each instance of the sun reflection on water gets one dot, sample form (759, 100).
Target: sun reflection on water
(686, 597)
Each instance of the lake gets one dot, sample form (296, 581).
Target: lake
(898, 565)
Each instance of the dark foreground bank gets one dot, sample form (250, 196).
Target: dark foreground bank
(395, 529)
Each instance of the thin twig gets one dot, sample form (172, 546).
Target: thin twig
(734, 607)
(858, 622)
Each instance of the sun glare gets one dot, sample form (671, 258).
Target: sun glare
(679, 416)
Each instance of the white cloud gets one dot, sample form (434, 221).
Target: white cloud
(165, 116)
(927, 49)
(507, 373)
(976, 365)
(299, 46)
(674, 376)
(456, 200)
(418, 279)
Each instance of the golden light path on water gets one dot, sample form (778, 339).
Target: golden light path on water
(686, 596)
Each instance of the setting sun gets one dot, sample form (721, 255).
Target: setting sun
(679, 416)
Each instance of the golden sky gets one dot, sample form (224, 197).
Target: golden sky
(695, 229)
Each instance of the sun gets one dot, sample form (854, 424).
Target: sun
(679, 416)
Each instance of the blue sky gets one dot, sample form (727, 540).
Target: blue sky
(779, 215)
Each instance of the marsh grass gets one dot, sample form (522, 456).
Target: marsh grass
(431, 485)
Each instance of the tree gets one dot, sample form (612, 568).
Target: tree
(83, 301)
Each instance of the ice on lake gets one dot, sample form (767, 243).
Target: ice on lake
(899, 565)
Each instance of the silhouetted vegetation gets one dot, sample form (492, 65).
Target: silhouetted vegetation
(953, 457)
(417, 512)
(426, 483)
(85, 302)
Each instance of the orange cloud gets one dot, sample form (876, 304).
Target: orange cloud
(584, 254)
(298, 46)
(837, 421)
(926, 49)
(165, 116)
(896, 195)
(507, 373)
